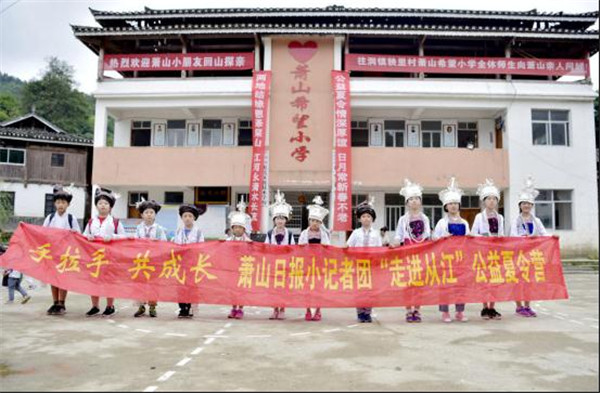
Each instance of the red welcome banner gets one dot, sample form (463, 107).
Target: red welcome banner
(261, 83)
(451, 270)
(342, 210)
(179, 61)
(467, 65)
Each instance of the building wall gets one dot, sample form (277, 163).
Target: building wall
(30, 199)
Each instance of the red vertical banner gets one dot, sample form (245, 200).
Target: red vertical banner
(261, 83)
(342, 164)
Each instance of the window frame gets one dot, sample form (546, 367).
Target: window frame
(8, 150)
(548, 127)
(552, 202)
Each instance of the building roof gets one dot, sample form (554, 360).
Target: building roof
(33, 120)
(40, 135)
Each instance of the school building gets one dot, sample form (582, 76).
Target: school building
(432, 94)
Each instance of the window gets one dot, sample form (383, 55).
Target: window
(431, 133)
(394, 133)
(7, 201)
(173, 198)
(49, 204)
(554, 208)
(136, 196)
(432, 208)
(12, 156)
(394, 209)
(467, 134)
(550, 127)
(141, 133)
(211, 132)
(470, 202)
(176, 132)
(356, 200)
(57, 160)
(360, 133)
(245, 132)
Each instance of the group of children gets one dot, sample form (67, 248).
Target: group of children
(413, 227)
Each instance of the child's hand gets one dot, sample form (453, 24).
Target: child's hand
(392, 245)
(107, 238)
(74, 230)
(90, 237)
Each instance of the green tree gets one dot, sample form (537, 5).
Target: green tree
(9, 106)
(56, 98)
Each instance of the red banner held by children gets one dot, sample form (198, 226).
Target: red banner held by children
(451, 270)
(261, 83)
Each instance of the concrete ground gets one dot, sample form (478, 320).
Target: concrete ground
(556, 351)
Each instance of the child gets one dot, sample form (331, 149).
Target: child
(489, 223)
(280, 210)
(451, 225)
(63, 220)
(14, 282)
(108, 228)
(148, 229)
(527, 224)
(188, 234)
(365, 236)
(238, 220)
(413, 228)
(316, 233)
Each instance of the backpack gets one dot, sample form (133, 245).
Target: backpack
(69, 217)
(115, 221)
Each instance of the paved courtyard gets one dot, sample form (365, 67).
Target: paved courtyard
(556, 351)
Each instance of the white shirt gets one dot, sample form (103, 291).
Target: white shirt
(106, 229)
(481, 226)
(365, 238)
(519, 227)
(194, 236)
(243, 238)
(441, 229)
(403, 231)
(287, 236)
(61, 222)
(154, 231)
(303, 239)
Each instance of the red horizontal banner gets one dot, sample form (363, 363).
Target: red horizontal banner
(179, 61)
(467, 65)
(451, 270)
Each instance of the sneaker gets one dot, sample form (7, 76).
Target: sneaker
(152, 312)
(410, 317)
(368, 318)
(317, 316)
(25, 299)
(141, 311)
(239, 314)
(416, 316)
(460, 316)
(60, 310)
(109, 311)
(275, 315)
(281, 314)
(522, 312)
(361, 317)
(93, 311)
(530, 312)
(495, 314)
(486, 313)
(52, 309)
(446, 317)
(308, 316)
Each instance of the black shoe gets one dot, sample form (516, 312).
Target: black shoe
(60, 309)
(183, 313)
(368, 318)
(495, 314)
(361, 317)
(486, 313)
(108, 311)
(152, 311)
(52, 310)
(141, 311)
(93, 311)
